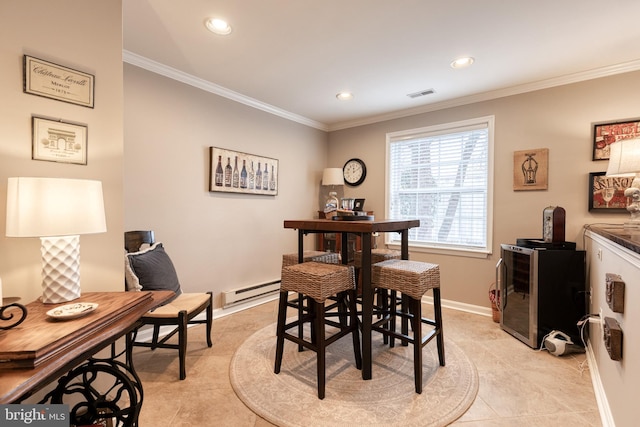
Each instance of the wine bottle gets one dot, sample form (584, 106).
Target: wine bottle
(219, 173)
(251, 176)
(227, 173)
(259, 178)
(243, 175)
(265, 178)
(272, 183)
(236, 174)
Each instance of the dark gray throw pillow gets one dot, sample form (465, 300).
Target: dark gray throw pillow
(154, 270)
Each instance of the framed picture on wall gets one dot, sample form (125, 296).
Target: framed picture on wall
(59, 141)
(44, 78)
(605, 134)
(531, 169)
(606, 193)
(236, 172)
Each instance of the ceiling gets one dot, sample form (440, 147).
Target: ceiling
(291, 57)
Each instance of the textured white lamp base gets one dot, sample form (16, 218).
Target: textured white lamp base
(60, 268)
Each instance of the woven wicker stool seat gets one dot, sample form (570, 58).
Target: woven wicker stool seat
(377, 255)
(413, 279)
(318, 282)
(318, 256)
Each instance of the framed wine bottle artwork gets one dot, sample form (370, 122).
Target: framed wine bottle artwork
(236, 172)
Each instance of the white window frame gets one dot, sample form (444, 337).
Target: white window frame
(392, 239)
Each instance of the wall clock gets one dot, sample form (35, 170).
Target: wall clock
(354, 172)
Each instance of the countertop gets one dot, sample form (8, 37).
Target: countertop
(624, 236)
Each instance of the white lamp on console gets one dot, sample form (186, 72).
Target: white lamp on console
(57, 210)
(624, 159)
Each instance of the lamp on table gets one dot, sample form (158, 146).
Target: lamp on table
(57, 210)
(624, 159)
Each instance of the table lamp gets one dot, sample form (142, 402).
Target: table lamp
(57, 210)
(624, 159)
(332, 177)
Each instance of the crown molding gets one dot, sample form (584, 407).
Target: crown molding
(611, 70)
(174, 74)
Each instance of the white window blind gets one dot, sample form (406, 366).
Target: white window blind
(441, 176)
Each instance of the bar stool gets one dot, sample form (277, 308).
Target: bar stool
(413, 279)
(318, 282)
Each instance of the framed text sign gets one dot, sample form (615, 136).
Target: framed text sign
(53, 81)
(606, 193)
(59, 141)
(234, 172)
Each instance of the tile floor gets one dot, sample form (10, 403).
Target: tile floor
(518, 386)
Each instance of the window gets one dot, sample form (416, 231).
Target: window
(443, 176)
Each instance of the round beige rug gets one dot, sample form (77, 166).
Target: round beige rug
(389, 399)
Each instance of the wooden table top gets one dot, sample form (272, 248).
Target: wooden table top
(41, 348)
(364, 226)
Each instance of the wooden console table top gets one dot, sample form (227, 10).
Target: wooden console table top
(41, 349)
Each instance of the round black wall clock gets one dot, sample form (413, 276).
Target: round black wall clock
(354, 172)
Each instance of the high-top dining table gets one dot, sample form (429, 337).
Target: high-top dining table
(365, 229)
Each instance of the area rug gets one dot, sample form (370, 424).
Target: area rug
(388, 399)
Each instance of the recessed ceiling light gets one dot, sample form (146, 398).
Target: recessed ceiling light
(462, 62)
(218, 26)
(344, 96)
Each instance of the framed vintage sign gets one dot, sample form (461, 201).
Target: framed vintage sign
(59, 141)
(235, 172)
(54, 81)
(606, 193)
(531, 169)
(605, 134)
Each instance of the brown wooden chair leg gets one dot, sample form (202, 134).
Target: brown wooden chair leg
(209, 319)
(182, 343)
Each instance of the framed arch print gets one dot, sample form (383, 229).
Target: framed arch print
(59, 141)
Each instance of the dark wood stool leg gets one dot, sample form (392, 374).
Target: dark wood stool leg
(320, 345)
(438, 320)
(416, 323)
(282, 318)
(407, 309)
(301, 300)
(355, 330)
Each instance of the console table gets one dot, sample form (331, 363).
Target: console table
(41, 350)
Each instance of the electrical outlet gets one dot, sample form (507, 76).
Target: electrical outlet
(601, 319)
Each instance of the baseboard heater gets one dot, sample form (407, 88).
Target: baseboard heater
(252, 292)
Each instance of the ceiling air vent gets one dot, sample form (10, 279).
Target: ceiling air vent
(421, 93)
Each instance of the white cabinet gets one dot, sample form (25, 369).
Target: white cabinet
(617, 382)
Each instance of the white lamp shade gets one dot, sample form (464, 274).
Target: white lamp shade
(38, 207)
(624, 157)
(332, 176)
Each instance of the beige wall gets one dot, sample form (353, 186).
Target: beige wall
(218, 241)
(86, 36)
(559, 119)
